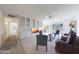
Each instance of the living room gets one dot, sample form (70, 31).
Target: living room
(22, 20)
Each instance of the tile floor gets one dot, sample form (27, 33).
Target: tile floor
(28, 46)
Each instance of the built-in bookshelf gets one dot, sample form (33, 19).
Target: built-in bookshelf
(24, 25)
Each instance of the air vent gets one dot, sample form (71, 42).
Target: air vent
(11, 15)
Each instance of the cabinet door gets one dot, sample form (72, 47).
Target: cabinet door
(27, 22)
(22, 27)
(33, 23)
(23, 35)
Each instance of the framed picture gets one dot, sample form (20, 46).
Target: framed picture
(57, 26)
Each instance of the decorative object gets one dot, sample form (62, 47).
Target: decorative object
(34, 30)
(72, 24)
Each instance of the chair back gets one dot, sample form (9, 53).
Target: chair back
(57, 31)
(41, 40)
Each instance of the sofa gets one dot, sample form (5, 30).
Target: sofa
(70, 47)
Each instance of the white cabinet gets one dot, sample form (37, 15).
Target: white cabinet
(24, 27)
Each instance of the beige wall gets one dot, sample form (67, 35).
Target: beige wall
(2, 29)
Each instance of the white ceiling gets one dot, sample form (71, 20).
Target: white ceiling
(34, 9)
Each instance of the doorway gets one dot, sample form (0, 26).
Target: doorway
(11, 26)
